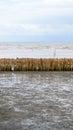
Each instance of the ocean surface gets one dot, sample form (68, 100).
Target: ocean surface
(36, 50)
(36, 100)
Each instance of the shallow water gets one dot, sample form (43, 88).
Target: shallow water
(36, 101)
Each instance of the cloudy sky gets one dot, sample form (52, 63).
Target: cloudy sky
(36, 20)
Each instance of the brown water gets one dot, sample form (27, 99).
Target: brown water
(36, 101)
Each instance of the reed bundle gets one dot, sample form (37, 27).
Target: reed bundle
(30, 64)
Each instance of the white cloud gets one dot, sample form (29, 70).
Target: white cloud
(15, 16)
(35, 29)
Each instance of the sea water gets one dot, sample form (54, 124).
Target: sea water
(36, 100)
(36, 50)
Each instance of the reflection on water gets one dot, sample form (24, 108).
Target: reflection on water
(36, 101)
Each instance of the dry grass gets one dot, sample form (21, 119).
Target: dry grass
(30, 64)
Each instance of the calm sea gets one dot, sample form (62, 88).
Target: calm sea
(36, 50)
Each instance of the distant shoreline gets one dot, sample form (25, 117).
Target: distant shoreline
(35, 64)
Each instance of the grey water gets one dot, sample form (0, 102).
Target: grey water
(36, 100)
(36, 50)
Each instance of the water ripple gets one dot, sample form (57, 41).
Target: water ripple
(36, 100)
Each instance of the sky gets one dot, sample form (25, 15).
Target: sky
(36, 20)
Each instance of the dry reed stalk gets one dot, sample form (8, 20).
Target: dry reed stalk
(30, 64)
